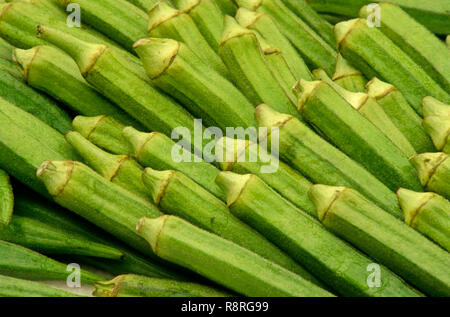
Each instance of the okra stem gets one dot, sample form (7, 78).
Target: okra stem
(348, 76)
(433, 107)
(13, 287)
(6, 198)
(438, 128)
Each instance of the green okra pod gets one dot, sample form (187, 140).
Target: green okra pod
(356, 136)
(321, 162)
(51, 71)
(167, 22)
(207, 16)
(6, 198)
(433, 107)
(333, 18)
(174, 68)
(6, 50)
(156, 150)
(348, 77)
(313, 48)
(144, 5)
(335, 262)
(14, 287)
(227, 6)
(244, 157)
(428, 213)
(401, 113)
(438, 128)
(447, 41)
(20, 262)
(429, 52)
(244, 58)
(434, 172)
(376, 55)
(103, 131)
(130, 285)
(119, 169)
(390, 241)
(372, 111)
(229, 265)
(10, 67)
(174, 193)
(267, 28)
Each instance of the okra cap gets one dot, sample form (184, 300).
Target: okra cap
(432, 106)
(24, 59)
(342, 29)
(160, 13)
(231, 29)
(411, 203)
(157, 182)
(108, 288)
(267, 117)
(305, 89)
(344, 69)
(228, 151)
(249, 4)
(323, 197)
(150, 229)
(186, 5)
(232, 185)
(426, 164)
(55, 175)
(137, 139)
(86, 125)
(246, 17)
(378, 89)
(438, 128)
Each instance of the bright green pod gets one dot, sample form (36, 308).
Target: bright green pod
(390, 241)
(268, 29)
(242, 54)
(438, 128)
(321, 162)
(348, 77)
(428, 213)
(157, 150)
(176, 194)
(20, 262)
(434, 172)
(130, 285)
(335, 262)
(14, 287)
(401, 113)
(144, 5)
(175, 69)
(6, 198)
(433, 107)
(228, 264)
(333, 18)
(8, 66)
(228, 7)
(170, 23)
(6, 50)
(376, 55)
(428, 51)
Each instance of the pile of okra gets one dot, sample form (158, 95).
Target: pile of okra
(209, 148)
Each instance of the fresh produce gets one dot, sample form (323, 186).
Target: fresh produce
(229, 265)
(144, 5)
(348, 77)
(13, 287)
(438, 128)
(431, 106)
(6, 198)
(227, 6)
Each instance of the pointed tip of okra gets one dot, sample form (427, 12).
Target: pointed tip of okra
(157, 182)
(438, 128)
(232, 29)
(431, 106)
(342, 29)
(24, 58)
(344, 68)
(378, 89)
(249, 4)
(411, 202)
(136, 139)
(246, 17)
(227, 151)
(304, 89)
(323, 197)
(232, 185)
(86, 125)
(150, 229)
(156, 54)
(267, 117)
(55, 175)
(108, 288)
(426, 164)
(160, 13)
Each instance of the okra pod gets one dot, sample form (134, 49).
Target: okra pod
(376, 55)
(334, 18)
(229, 265)
(119, 169)
(356, 136)
(428, 213)
(130, 285)
(10, 67)
(351, 216)
(315, 50)
(447, 41)
(401, 113)
(6, 50)
(433, 107)
(335, 262)
(434, 172)
(207, 16)
(103, 131)
(245, 157)
(242, 54)
(228, 7)
(372, 111)
(176, 194)
(6, 198)
(175, 69)
(144, 5)
(156, 150)
(14, 287)
(348, 77)
(321, 162)
(20, 262)
(438, 128)
(429, 52)
(45, 68)
(267, 28)
(167, 22)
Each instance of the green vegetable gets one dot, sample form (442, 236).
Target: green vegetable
(6, 50)
(176, 194)
(319, 161)
(438, 128)
(428, 213)
(434, 172)
(175, 69)
(228, 264)
(322, 107)
(332, 260)
(434, 107)
(10, 67)
(227, 6)
(351, 216)
(6, 198)
(131, 285)
(333, 18)
(348, 77)
(401, 114)
(144, 4)
(377, 56)
(13, 287)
